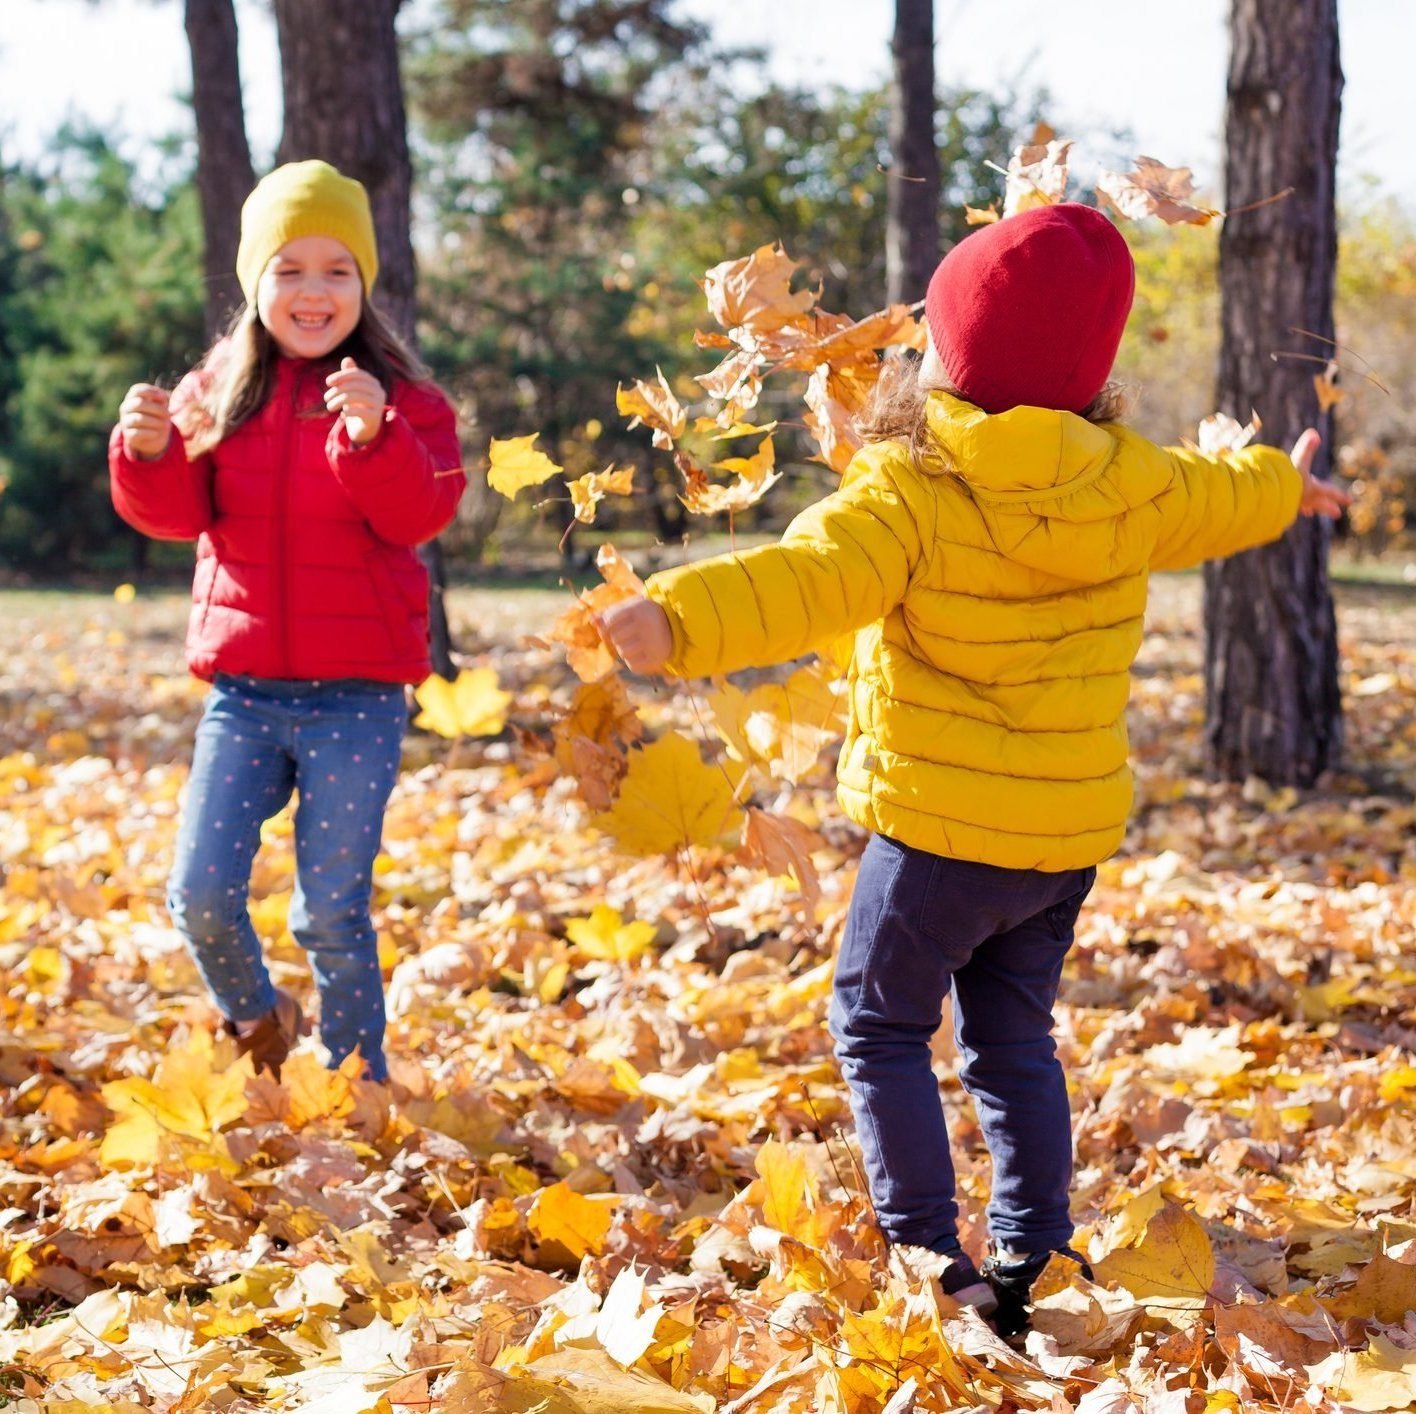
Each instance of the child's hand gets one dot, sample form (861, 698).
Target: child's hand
(638, 630)
(360, 397)
(1320, 498)
(145, 421)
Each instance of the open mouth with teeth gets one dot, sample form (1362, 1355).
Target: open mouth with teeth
(311, 323)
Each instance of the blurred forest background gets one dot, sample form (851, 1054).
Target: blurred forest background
(577, 166)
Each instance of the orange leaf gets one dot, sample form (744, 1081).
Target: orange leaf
(585, 650)
(580, 1225)
(653, 405)
(586, 492)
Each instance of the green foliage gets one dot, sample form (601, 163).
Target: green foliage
(100, 287)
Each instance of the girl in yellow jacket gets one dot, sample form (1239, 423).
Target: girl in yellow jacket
(991, 553)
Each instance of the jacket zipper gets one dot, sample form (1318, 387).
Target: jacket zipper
(282, 538)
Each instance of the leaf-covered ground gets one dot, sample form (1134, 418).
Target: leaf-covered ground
(615, 1170)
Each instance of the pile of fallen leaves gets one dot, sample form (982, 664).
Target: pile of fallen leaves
(614, 1170)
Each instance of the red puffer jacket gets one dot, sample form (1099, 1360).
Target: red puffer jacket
(306, 565)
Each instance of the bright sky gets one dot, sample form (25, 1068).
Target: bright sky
(1155, 69)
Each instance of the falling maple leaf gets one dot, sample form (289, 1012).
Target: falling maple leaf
(1325, 386)
(473, 705)
(719, 433)
(671, 798)
(1036, 176)
(653, 405)
(836, 397)
(1219, 433)
(516, 463)
(755, 291)
(586, 492)
(755, 476)
(1153, 189)
(783, 725)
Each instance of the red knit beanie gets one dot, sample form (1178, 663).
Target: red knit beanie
(1030, 310)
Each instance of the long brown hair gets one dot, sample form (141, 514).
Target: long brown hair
(895, 412)
(241, 367)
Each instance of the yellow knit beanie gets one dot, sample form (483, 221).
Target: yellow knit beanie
(304, 199)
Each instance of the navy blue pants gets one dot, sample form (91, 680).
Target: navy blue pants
(918, 925)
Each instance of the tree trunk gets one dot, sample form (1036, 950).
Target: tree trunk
(1273, 704)
(912, 228)
(224, 172)
(343, 97)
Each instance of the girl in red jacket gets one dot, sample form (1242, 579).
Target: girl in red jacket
(308, 456)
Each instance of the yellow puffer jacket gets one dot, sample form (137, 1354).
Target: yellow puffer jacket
(998, 599)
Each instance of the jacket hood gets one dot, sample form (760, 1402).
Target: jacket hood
(1057, 492)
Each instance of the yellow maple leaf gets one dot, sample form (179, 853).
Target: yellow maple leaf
(717, 431)
(474, 705)
(782, 725)
(653, 405)
(516, 463)
(586, 492)
(1170, 1256)
(788, 1190)
(604, 935)
(578, 1224)
(755, 477)
(671, 798)
(186, 1097)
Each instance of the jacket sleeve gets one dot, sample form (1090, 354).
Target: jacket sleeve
(408, 480)
(843, 563)
(170, 497)
(1218, 505)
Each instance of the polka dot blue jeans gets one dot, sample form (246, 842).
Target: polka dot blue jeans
(337, 744)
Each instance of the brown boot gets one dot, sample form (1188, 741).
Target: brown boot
(268, 1042)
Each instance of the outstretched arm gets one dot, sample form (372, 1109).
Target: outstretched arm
(843, 563)
(1216, 506)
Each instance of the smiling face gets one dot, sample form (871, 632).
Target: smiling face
(310, 296)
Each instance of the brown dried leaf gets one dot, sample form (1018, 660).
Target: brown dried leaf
(1037, 176)
(1153, 189)
(755, 291)
(781, 845)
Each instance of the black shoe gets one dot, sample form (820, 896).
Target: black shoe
(1012, 1282)
(956, 1275)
